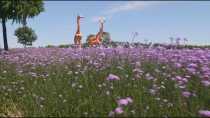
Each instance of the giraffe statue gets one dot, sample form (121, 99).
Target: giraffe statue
(78, 34)
(96, 40)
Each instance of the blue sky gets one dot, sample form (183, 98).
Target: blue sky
(154, 20)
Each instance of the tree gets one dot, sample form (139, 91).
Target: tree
(28, 9)
(90, 36)
(25, 35)
(6, 12)
(18, 11)
(106, 38)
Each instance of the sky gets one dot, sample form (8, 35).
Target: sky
(155, 21)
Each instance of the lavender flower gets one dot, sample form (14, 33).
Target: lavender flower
(186, 94)
(112, 77)
(119, 110)
(205, 113)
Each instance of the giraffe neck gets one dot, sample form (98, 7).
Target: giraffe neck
(78, 26)
(101, 29)
(100, 32)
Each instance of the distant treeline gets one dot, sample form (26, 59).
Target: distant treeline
(127, 45)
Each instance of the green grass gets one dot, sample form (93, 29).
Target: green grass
(66, 93)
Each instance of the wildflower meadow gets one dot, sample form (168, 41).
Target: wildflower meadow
(105, 82)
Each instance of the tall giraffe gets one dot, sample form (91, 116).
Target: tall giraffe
(96, 40)
(78, 34)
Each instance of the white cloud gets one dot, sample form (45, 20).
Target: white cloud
(129, 6)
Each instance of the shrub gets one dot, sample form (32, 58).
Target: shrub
(25, 35)
(50, 46)
(64, 46)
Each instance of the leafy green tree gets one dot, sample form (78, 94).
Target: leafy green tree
(89, 36)
(5, 14)
(28, 9)
(25, 35)
(18, 11)
(106, 38)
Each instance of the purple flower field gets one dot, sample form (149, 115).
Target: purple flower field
(108, 82)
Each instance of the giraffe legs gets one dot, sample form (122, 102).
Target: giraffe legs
(77, 41)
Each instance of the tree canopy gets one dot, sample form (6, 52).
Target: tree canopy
(18, 11)
(25, 35)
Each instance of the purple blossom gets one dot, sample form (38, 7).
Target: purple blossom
(122, 102)
(112, 77)
(191, 70)
(205, 113)
(192, 65)
(206, 83)
(119, 110)
(186, 94)
(178, 65)
(129, 99)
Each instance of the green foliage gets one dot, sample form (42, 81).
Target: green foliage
(65, 93)
(84, 45)
(63, 46)
(25, 35)
(27, 9)
(18, 11)
(88, 37)
(106, 38)
(6, 9)
(50, 46)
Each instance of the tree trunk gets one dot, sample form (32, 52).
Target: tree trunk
(4, 34)
(24, 21)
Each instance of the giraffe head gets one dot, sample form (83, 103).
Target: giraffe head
(79, 17)
(101, 20)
